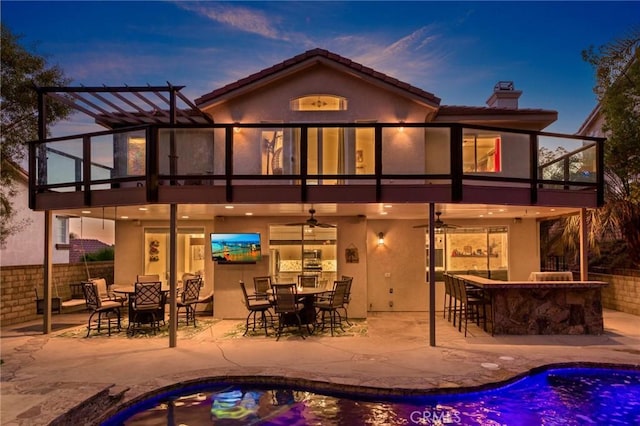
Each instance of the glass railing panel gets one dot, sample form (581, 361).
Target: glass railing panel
(197, 152)
(404, 152)
(102, 158)
(495, 153)
(59, 163)
(568, 160)
(130, 154)
(266, 153)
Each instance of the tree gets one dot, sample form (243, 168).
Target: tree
(20, 71)
(617, 69)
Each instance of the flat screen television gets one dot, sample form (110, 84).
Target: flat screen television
(236, 247)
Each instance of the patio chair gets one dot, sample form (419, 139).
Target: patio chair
(262, 286)
(330, 307)
(104, 291)
(285, 304)
(146, 307)
(470, 306)
(147, 278)
(447, 306)
(109, 309)
(308, 281)
(256, 304)
(189, 299)
(347, 298)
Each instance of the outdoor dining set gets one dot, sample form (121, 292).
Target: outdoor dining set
(145, 300)
(306, 305)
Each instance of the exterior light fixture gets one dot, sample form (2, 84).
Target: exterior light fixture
(380, 239)
(236, 129)
(401, 128)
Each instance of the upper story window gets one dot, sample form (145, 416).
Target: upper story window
(481, 153)
(319, 103)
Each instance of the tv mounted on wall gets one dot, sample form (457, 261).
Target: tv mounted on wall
(236, 247)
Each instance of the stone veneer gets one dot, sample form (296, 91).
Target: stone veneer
(17, 296)
(622, 293)
(547, 311)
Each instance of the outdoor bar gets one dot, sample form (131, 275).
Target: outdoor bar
(543, 307)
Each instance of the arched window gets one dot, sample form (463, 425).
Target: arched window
(319, 103)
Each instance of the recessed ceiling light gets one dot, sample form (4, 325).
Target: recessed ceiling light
(124, 217)
(228, 207)
(537, 212)
(481, 215)
(383, 213)
(387, 206)
(553, 210)
(490, 213)
(500, 210)
(185, 217)
(142, 209)
(86, 211)
(248, 214)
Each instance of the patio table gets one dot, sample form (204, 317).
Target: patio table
(130, 289)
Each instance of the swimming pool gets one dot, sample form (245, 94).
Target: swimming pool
(551, 395)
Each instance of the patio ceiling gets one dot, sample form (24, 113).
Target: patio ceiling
(377, 211)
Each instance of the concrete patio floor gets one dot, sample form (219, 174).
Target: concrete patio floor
(45, 376)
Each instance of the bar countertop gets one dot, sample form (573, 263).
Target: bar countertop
(487, 283)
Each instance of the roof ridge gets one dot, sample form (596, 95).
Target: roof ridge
(310, 54)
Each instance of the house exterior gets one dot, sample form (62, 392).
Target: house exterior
(25, 247)
(368, 153)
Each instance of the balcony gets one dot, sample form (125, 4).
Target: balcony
(315, 162)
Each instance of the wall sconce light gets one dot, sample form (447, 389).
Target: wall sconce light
(401, 128)
(236, 129)
(380, 239)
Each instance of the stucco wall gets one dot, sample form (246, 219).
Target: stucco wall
(27, 246)
(17, 295)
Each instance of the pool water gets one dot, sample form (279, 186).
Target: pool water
(556, 396)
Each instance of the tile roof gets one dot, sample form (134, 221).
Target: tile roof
(78, 247)
(476, 110)
(309, 55)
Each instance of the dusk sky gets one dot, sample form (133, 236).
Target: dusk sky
(455, 50)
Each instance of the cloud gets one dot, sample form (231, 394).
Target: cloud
(415, 58)
(240, 18)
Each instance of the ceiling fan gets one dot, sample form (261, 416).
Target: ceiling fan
(438, 223)
(312, 222)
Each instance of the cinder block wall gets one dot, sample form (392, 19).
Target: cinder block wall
(622, 293)
(17, 284)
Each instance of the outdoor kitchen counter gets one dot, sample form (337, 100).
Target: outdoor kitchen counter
(543, 307)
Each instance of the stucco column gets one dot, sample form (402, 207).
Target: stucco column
(48, 272)
(432, 276)
(173, 261)
(584, 246)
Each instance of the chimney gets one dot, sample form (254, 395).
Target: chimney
(504, 96)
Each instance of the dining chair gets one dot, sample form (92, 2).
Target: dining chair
(104, 291)
(103, 308)
(331, 306)
(448, 297)
(285, 304)
(148, 278)
(347, 297)
(262, 286)
(256, 304)
(308, 281)
(146, 307)
(189, 299)
(470, 306)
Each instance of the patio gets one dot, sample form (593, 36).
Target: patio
(44, 376)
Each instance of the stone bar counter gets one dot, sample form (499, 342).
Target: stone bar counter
(543, 307)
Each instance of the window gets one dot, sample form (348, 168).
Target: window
(481, 153)
(319, 103)
(61, 230)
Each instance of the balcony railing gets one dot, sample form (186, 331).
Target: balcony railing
(315, 155)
